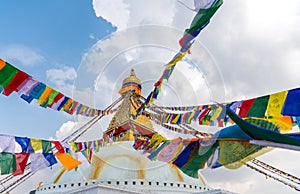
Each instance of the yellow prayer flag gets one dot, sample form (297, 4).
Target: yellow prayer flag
(67, 161)
(174, 120)
(156, 140)
(175, 60)
(45, 95)
(275, 103)
(216, 114)
(191, 116)
(67, 105)
(36, 144)
(151, 98)
(73, 146)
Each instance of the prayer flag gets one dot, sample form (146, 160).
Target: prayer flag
(245, 107)
(21, 161)
(38, 162)
(46, 146)
(50, 158)
(23, 142)
(27, 87)
(7, 163)
(184, 156)
(171, 151)
(198, 157)
(37, 91)
(200, 21)
(291, 106)
(7, 73)
(67, 161)
(259, 107)
(52, 96)
(19, 78)
(275, 103)
(45, 95)
(35, 145)
(58, 146)
(7, 143)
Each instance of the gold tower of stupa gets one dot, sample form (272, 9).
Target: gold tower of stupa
(125, 123)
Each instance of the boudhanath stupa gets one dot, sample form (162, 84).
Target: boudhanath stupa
(118, 167)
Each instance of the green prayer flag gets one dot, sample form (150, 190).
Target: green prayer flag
(203, 16)
(7, 163)
(46, 146)
(7, 73)
(197, 158)
(259, 107)
(52, 97)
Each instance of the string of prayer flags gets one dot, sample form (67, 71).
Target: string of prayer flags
(281, 108)
(230, 147)
(33, 145)
(199, 22)
(273, 177)
(165, 76)
(277, 171)
(43, 153)
(205, 12)
(29, 89)
(210, 115)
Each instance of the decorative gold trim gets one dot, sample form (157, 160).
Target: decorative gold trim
(62, 171)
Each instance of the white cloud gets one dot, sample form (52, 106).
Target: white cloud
(116, 12)
(59, 76)
(124, 13)
(63, 78)
(22, 54)
(65, 130)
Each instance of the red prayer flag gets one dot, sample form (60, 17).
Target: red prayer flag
(245, 107)
(18, 79)
(57, 98)
(21, 161)
(58, 146)
(202, 115)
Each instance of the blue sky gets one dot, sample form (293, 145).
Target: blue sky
(54, 34)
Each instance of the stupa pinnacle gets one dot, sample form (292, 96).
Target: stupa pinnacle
(124, 123)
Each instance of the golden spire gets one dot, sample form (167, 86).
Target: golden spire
(124, 121)
(131, 83)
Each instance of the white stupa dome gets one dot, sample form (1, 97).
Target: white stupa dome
(118, 164)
